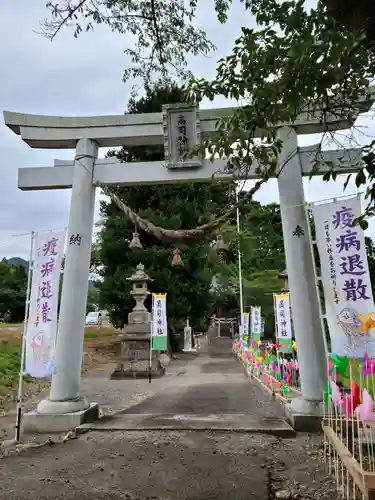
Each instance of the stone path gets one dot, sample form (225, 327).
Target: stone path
(209, 392)
(178, 465)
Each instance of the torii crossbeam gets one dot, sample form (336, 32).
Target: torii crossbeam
(112, 171)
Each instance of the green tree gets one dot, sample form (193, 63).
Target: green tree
(262, 242)
(262, 256)
(13, 283)
(93, 299)
(171, 206)
(357, 15)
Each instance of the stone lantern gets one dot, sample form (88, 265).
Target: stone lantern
(140, 292)
(134, 356)
(220, 247)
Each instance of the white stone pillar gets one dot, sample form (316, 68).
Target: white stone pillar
(299, 263)
(64, 394)
(187, 336)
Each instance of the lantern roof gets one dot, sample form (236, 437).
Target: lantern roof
(140, 276)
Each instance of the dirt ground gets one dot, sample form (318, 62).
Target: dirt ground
(170, 465)
(179, 465)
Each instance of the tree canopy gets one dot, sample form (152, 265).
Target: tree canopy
(13, 283)
(357, 15)
(172, 206)
(262, 256)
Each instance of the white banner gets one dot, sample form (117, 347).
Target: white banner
(159, 327)
(256, 323)
(42, 321)
(245, 324)
(282, 315)
(159, 318)
(345, 277)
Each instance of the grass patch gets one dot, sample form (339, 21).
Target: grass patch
(92, 333)
(9, 365)
(10, 356)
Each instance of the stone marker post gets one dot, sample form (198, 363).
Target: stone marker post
(187, 337)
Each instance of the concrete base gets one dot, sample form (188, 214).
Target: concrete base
(156, 372)
(304, 416)
(192, 350)
(42, 423)
(49, 407)
(134, 357)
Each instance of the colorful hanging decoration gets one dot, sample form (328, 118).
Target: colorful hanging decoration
(366, 322)
(365, 409)
(327, 394)
(176, 260)
(340, 363)
(270, 366)
(368, 366)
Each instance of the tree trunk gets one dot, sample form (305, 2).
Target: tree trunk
(171, 339)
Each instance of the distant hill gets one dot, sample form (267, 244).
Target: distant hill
(18, 261)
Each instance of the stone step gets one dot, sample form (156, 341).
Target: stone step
(233, 422)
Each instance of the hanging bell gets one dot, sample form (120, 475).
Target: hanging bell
(177, 261)
(135, 242)
(220, 247)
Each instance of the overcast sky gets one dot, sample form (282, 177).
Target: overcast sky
(80, 77)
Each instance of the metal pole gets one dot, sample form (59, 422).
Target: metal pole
(23, 343)
(151, 335)
(316, 278)
(239, 266)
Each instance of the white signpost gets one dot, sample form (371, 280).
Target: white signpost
(188, 341)
(85, 172)
(159, 329)
(283, 323)
(256, 322)
(245, 325)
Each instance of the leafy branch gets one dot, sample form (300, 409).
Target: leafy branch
(297, 60)
(163, 31)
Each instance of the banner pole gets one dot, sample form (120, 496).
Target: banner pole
(309, 232)
(23, 342)
(151, 335)
(239, 267)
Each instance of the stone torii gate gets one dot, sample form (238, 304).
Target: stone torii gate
(65, 408)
